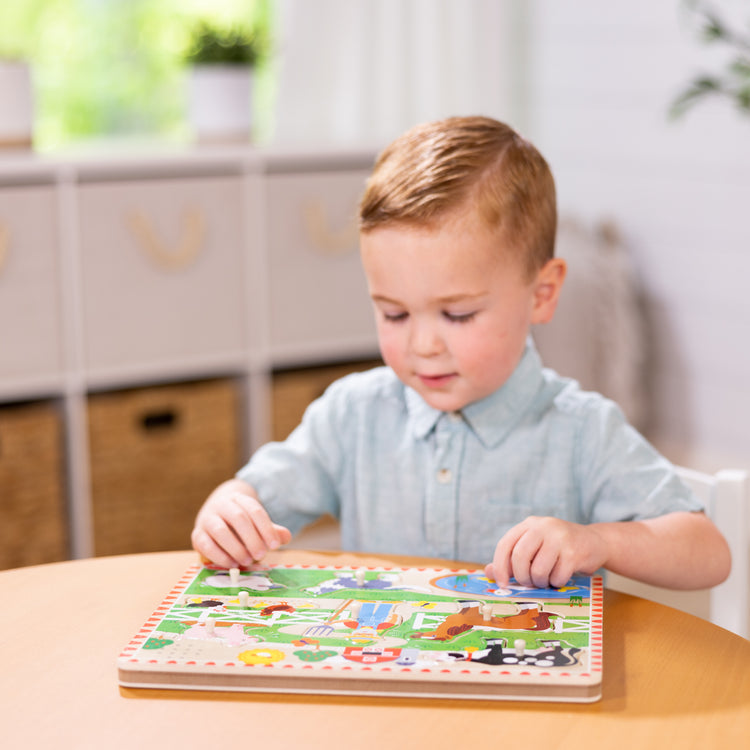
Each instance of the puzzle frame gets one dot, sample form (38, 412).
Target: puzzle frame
(395, 631)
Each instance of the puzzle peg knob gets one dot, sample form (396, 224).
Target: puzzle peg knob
(244, 599)
(486, 612)
(520, 646)
(359, 576)
(234, 576)
(210, 626)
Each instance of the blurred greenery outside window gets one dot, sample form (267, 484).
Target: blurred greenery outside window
(108, 69)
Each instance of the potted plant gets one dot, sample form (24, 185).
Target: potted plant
(16, 103)
(222, 63)
(731, 83)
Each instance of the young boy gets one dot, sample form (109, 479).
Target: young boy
(463, 446)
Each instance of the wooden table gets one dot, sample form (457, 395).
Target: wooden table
(668, 678)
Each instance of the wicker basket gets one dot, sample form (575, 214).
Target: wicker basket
(33, 526)
(156, 453)
(294, 390)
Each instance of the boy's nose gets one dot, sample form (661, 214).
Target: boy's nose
(426, 340)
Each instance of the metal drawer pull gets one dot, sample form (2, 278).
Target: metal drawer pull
(322, 237)
(193, 233)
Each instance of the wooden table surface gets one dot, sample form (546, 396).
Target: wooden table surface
(668, 678)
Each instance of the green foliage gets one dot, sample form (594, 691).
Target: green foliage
(115, 69)
(17, 22)
(733, 81)
(216, 46)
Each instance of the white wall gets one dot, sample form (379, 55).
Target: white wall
(600, 81)
(361, 72)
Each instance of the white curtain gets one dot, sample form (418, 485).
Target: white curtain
(362, 71)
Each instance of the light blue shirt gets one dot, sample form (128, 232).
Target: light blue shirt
(404, 478)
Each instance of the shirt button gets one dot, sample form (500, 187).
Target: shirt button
(444, 476)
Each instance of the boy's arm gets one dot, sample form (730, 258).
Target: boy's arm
(233, 529)
(680, 550)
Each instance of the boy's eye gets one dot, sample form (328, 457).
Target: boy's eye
(458, 317)
(395, 317)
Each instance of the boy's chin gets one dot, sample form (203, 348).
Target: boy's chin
(444, 401)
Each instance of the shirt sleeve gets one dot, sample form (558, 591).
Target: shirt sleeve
(296, 480)
(623, 477)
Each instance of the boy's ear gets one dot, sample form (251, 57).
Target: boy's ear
(547, 288)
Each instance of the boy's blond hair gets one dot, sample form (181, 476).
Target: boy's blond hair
(439, 166)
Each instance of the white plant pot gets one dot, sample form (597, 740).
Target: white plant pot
(16, 104)
(220, 102)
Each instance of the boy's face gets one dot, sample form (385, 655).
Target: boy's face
(453, 310)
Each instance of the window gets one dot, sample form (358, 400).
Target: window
(114, 68)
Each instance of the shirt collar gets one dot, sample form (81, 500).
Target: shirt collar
(494, 416)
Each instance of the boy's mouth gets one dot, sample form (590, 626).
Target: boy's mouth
(437, 381)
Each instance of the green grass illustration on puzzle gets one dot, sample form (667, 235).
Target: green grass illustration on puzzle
(368, 623)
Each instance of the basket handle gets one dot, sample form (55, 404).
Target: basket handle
(4, 245)
(162, 419)
(192, 236)
(322, 237)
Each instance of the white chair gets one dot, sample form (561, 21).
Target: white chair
(725, 495)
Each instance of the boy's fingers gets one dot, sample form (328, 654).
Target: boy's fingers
(237, 541)
(234, 529)
(210, 550)
(254, 527)
(225, 532)
(504, 563)
(561, 574)
(523, 559)
(283, 534)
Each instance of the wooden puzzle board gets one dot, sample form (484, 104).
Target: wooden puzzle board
(426, 632)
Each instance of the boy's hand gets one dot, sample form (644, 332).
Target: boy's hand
(546, 551)
(233, 529)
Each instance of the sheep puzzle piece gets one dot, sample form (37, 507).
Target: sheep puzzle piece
(371, 631)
